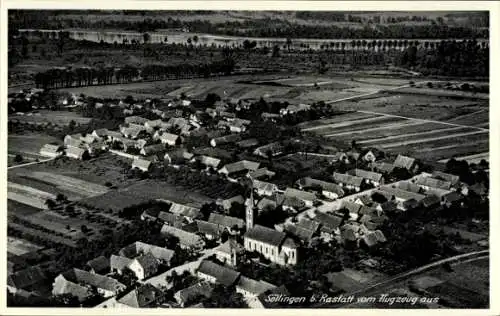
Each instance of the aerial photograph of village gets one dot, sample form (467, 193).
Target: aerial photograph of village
(248, 159)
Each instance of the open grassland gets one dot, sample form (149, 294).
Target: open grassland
(28, 144)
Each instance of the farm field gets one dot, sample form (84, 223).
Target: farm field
(479, 118)
(28, 145)
(61, 118)
(476, 158)
(41, 234)
(19, 247)
(16, 208)
(28, 195)
(425, 139)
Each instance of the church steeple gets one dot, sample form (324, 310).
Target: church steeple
(249, 205)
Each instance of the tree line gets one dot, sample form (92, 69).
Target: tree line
(87, 76)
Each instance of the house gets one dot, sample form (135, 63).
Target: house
(479, 189)
(340, 156)
(99, 265)
(372, 239)
(273, 149)
(178, 157)
(353, 154)
(264, 301)
(156, 125)
(101, 133)
(427, 183)
(175, 220)
(229, 252)
(238, 125)
(453, 179)
(268, 203)
(79, 280)
(264, 188)
(239, 168)
(77, 153)
(292, 203)
(152, 149)
(451, 199)
(352, 207)
(138, 248)
(399, 196)
(307, 197)
(294, 108)
(251, 288)
(328, 189)
(142, 266)
(405, 162)
(72, 139)
(135, 120)
(411, 204)
(32, 280)
(430, 201)
(132, 131)
(145, 296)
(227, 222)
(348, 181)
(52, 151)
(141, 164)
(369, 156)
(88, 138)
(167, 138)
(150, 214)
(247, 143)
(228, 139)
(208, 162)
(188, 212)
(383, 167)
(409, 186)
(190, 294)
(187, 240)
(226, 203)
(215, 273)
(262, 173)
(211, 231)
(370, 177)
(363, 200)
(304, 230)
(270, 116)
(272, 244)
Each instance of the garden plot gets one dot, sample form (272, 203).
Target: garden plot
(42, 234)
(410, 126)
(19, 247)
(16, 208)
(27, 195)
(26, 180)
(418, 140)
(387, 142)
(69, 183)
(478, 118)
(113, 201)
(352, 116)
(361, 125)
(61, 118)
(341, 123)
(445, 152)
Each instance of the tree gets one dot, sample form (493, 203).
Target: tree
(50, 203)
(276, 51)
(72, 125)
(18, 158)
(225, 297)
(61, 197)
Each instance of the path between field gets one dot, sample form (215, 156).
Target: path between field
(370, 93)
(426, 120)
(425, 140)
(454, 146)
(388, 138)
(30, 163)
(466, 115)
(344, 124)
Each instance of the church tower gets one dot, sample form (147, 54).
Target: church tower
(249, 205)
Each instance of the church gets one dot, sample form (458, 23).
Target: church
(272, 244)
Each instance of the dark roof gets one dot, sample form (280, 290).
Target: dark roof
(148, 263)
(265, 235)
(138, 248)
(300, 232)
(446, 176)
(308, 224)
(325, 186)
(229, 246)
(99, 264)
(171, 219)
(347, 179)
(253, 286)
(263, 298)
(78, 276)
(430, 200)
(208, 228)
(199, 289)
(222, 274)
(25, 278)
(351, 206)
(453, 196)
(143, 296)
(373, 176)
(330, 222)
(478, 188)
(434, 183)
(226, 221)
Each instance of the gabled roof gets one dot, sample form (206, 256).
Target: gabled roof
(265, 202)
(50, 148)
(138, 248)
(370, 239)
(185, 238)
(143, 296)
(26, 278)
(389, 191)
(300, 232)
(223, 275)
(226, 221)
(264, 186)
(78, 276)
(325, 186)
(430, 200)
(82, 292)
(453, 196)
(75, 151)
(231, 138)
(275, 149)
(383, 166)
(153, 149)
(446, 177)
(99, 264)
(194, 291)
(132, 131)
(330, 222)
(351, 206)
(347, 179)
(409, 186)
(242, 165)
(373, 176)
(135, 120)
(299, 194)
(208, 228)
(185, 210)
(479, 188)
(148, 262)
(253, 286)
(259, 173)
(434, 183)
(404, 162)
(411, 203)
(265, 235)
(229, 246)
(308, 224)
(141, 163)
(380, 236)
(208, 161)
(167, 137)
(246, 143)
(119, 262)
(170, 219)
